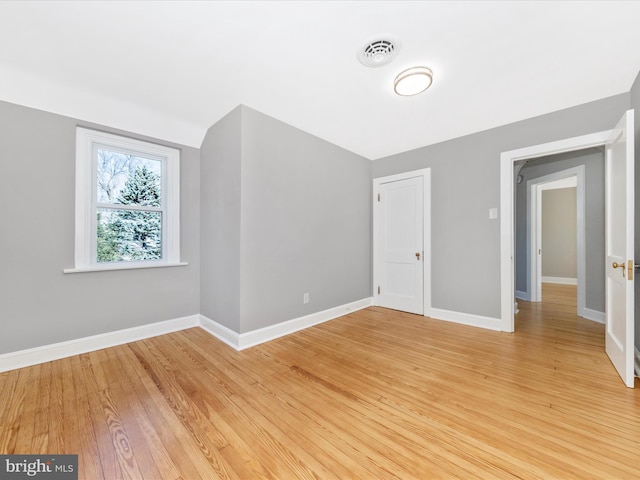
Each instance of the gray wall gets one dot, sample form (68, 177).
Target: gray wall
(593, 161)
(559, 233)
(306, 223)
(635, 104)
(40, 305)
(220, 222)
(466, 183)
(299, 220)
(299, 210)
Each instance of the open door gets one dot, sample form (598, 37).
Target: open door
(619, 234)
(619, 185)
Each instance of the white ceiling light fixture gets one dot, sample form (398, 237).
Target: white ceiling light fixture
(413, 81)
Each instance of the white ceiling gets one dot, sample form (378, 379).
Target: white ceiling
(173, 69)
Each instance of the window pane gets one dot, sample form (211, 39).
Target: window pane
(128, 180)
(128, 235)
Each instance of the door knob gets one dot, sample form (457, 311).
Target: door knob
(619, 265)
(418, 255)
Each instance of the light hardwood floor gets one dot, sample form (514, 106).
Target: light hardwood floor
(377, 394)
(557, 294)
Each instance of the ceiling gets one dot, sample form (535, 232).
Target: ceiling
(173, 69)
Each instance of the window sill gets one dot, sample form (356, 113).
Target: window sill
(125, 266)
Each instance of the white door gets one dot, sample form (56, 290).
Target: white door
(399, 210)
(619, 180)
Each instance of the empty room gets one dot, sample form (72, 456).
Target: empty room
(319, 240)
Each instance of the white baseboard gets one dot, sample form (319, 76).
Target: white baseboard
(261, 335)
(47, 353)
(560, 280)
(55, 351)
(637, 361)
(594, 315)
(221, 332)
(520, 295)
(467, 319)
(238, 341)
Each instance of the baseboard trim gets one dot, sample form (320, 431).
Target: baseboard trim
(262, 335)
(467, 319)
(520, 295)
(594, 315)
(560, 280)
(222, 333)
(55, 351)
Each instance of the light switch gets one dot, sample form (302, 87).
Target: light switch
(493, 213)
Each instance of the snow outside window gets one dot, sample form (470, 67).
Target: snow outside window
(127, 203)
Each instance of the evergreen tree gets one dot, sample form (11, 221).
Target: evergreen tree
(133, 234)
(142, 188)
(107, 241)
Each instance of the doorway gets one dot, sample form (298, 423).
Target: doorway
(619, 233)
(508, 160)
(556, 221)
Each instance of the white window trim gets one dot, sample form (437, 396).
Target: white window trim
(85, 221)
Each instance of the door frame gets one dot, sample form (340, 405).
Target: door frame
(425, 173)
(507, 234)
(534, 188)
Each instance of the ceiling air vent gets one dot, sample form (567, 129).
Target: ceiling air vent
(378, 52)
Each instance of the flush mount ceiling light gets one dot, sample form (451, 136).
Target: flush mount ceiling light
(413, 81)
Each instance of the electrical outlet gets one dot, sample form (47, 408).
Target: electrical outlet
(305, 298)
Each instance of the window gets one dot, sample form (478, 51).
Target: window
(127, 203)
